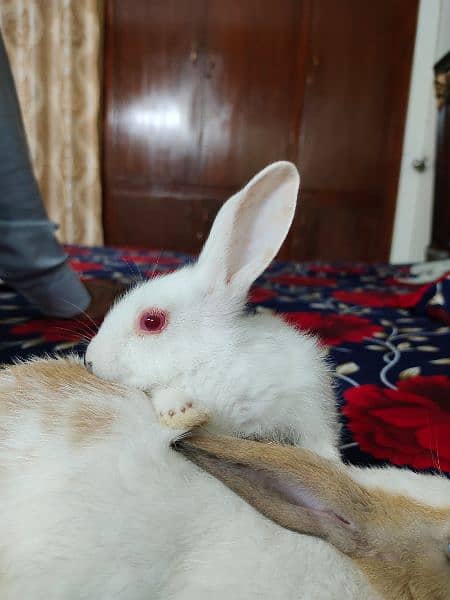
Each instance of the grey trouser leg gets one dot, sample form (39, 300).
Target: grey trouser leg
(31, 259)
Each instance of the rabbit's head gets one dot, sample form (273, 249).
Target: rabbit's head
(395, 524)
(175, 323)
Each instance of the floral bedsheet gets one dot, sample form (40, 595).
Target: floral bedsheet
(389, 343)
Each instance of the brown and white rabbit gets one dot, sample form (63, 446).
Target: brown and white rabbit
(186, 338)
(95, 504)
(391, 525)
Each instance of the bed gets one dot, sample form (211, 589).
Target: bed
(388, 343)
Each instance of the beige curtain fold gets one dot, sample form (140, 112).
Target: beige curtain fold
(53, 46)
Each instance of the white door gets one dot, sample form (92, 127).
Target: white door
(413, 217)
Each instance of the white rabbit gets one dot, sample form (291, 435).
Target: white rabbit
(185, 337)
(95, 505)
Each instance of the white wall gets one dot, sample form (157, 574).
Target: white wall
(443, 43)
(413, 217)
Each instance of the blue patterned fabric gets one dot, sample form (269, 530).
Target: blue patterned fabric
(389, 343)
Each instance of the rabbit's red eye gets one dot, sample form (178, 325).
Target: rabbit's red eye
(153, 321)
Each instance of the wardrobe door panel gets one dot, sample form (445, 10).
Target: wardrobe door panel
(153, 99)
(201, 94)
(254, 87)
(352, 126)
(152, 120)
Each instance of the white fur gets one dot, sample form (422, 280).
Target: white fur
(121, 516)
(431, 490)
(118, 515)
(254, 373)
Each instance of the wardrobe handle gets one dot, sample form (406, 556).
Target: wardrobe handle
(194, 53)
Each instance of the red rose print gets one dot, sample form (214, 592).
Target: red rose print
(75, 251)
(150, 258)
(408, 426)
(306, 281)
(376, 298)
(56, 330)
(333, 329)
(438, 313)
(393, 282)
(260, 295)
(341, 270)
(83, 266)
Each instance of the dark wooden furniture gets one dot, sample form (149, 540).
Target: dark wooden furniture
(440, 239)
(201, 94)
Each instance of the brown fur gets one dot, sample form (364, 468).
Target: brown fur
(56, 375)
(395, 540)
(86, 422)
(58, 392)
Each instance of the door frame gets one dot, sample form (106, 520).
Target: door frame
(414, 207)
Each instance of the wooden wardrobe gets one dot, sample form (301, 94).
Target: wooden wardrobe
(201, 94)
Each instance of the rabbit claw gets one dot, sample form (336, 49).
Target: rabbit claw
(176, 410)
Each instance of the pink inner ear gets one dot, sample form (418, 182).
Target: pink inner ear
(260, 225)
(290, 491)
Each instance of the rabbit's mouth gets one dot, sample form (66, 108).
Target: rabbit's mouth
(88, 364)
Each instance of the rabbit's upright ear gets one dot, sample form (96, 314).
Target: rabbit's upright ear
(250, 228)
(294, 487)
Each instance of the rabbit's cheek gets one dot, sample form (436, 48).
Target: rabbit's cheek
(104, 365)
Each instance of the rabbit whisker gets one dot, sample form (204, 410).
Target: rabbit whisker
(83, 312)
(134, 267)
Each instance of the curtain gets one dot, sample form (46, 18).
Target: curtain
(53, 46)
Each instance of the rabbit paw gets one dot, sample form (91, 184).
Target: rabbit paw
(177, 410)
